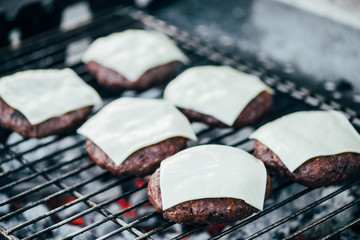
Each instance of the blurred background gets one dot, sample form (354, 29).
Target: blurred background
(317, 41)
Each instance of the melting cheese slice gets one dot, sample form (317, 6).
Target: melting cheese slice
(300, 136)
(129, 124)
(218, 91)
(42, 94)
(132, 52)
(212, 171)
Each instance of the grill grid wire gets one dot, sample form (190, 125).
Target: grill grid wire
(50, 52)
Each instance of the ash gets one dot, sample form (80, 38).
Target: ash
(304, 219)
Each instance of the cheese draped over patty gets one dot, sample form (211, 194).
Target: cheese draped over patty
(133, 52)
(219, 91)
(300, 136)
(212, 171)
(43, 94)
(129, 124)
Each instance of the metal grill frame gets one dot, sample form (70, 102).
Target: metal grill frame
(33, 55)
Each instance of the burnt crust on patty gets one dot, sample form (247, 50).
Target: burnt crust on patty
(15, 120)
(315, 172)
(200, 211)
(114, 81)
(140, 163)
(256, 110)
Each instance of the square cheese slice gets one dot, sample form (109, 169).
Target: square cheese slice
(43, 94)
(129, 124)
(219, 91)
(300, 136)
(133, 52)
(212, 171)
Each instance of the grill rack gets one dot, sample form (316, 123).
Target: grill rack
(49, 51)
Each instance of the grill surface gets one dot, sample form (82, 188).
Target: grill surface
(50, 189)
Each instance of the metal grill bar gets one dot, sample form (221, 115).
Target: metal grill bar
(46, 184)
(188, 233)
(325, 218)
(32, 149)
(260, 214)
(158, 229)
(316, 203)
(94, 207)
(91, 204)
(52, 196)
(139, 220)
(78, 200)
(32, 176)
(341, 229)
(6, 160)
(30, 164)
(5, 147)
(55, 37)
(77, 194)
(106, 187)
(56, 57)
(95, 224)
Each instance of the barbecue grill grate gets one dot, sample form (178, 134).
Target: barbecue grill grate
(51, 190)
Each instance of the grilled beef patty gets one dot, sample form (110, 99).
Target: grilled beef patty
(13, 119)
(200, 211)
(315, 172)
(140, 163)
(256, 110)
(116, 82)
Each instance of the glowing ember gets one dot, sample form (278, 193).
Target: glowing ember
(62, 200)
(79, 221)
(215, 229)
(124, 203)
(139, 182)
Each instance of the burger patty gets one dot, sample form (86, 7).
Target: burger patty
(256, 110)
(117, 82)
(140, 163)
(13, 119)
(315, 172)
(200, 211)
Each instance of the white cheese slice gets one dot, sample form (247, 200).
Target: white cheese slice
(129, 124)
(132, 52)
(219, 91)
(300, 136)
(212, 171)
(43, 94)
